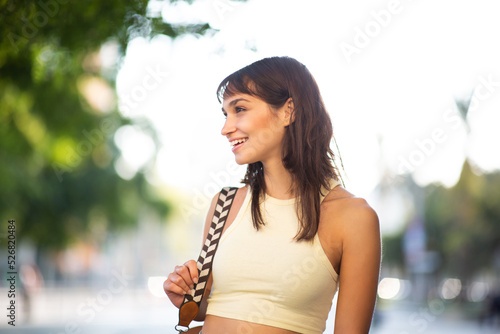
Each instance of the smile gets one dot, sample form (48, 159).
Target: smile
(238, 141)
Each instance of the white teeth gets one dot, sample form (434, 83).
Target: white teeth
(238, 141)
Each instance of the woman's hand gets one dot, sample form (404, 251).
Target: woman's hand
(180, 282)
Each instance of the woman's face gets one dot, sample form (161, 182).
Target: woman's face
(255, 131)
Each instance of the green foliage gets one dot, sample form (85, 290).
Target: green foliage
(463, 222)
(56, 174)
(392, 250)
(462, 226)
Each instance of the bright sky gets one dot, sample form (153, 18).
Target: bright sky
(388, 71)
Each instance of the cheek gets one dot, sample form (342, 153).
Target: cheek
(269, 134)
(266, 123)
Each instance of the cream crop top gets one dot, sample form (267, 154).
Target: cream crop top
(268, 278)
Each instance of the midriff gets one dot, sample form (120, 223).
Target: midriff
(220, 325)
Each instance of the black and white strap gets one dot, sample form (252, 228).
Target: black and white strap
(188, 311)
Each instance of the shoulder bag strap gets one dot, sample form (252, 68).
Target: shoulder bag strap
(191, 304)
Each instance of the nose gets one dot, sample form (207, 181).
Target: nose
(229, 126)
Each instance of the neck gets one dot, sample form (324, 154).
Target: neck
(278, 180)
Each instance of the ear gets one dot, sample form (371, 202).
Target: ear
(289, 112)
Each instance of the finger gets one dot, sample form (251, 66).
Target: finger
(179, 281)
(171, 288)
(184, 273)
(193, 270)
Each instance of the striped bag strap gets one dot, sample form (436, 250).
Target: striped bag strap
(191, 304)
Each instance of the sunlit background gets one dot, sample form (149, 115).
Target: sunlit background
(111, 149)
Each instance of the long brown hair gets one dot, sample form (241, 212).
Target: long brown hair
(306, 151)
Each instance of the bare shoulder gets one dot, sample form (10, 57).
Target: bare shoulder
(343, 210)
(240, 195)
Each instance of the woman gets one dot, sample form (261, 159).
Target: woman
(293, 235)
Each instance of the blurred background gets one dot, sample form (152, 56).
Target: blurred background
(111, 151)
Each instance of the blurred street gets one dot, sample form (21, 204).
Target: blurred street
(65, 311)
(407, 320)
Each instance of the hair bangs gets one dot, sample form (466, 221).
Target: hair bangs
(236, 83)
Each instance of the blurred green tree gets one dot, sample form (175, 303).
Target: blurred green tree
(57, 175)
(462, 225)
(463, 222)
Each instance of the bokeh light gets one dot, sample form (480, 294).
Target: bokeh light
(451, 288)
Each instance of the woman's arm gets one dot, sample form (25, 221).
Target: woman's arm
(359, 267)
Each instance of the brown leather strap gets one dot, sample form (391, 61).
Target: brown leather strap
(191, 304)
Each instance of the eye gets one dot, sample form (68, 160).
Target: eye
(239, 109)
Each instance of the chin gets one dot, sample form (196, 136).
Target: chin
(243, 161)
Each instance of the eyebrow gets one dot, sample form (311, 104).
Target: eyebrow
(233, 102)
